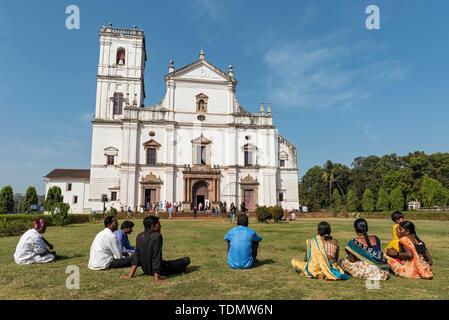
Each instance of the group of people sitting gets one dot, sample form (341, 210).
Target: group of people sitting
(406, 255)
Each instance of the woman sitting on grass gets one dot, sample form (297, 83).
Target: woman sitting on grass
(365, 257)
(412, 260)
(321, 256)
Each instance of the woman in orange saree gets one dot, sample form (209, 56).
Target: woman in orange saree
(413, 260)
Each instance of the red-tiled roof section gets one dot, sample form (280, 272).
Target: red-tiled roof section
(69, 173)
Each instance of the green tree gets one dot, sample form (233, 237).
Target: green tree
(312, 192)
(352, 202)
(328, 178)
(433, 193)
(54, 195)
(397, 199)
(29, 199)
(368, 201)
(6, 200)
(337, 201)
(383, 200)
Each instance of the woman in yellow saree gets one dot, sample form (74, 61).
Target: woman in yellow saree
(321, 257)
(413, 260)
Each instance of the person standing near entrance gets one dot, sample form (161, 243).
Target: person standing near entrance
(233, 211)
(243, 208)
(200, 206)
(194, 212)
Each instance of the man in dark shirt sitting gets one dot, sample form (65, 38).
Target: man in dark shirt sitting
(148, 253)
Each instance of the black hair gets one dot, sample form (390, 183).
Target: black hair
(324, 230)
(361, 226)
(127, 224)
(410, 227)
(108, 221)
(395, 216)
(242, 220)
(150, 221)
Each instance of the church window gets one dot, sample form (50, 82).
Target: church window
(201, 157)
(121, 54)
(151, 155)
(69, 187)
(110, 160)
(75, 199)
(117, 103)
(282, 163)
(248, 155)
(281, 196)
(114, 196)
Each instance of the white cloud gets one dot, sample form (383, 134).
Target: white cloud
(319, 74)
(86, 116)
(211, 9)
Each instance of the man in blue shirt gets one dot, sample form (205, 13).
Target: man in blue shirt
(122, 236)
(243, 243)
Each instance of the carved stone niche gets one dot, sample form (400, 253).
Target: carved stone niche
(201, 102)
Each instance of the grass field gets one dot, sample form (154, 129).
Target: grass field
(208, 276)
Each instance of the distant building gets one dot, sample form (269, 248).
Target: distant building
(74, 184)
(414, 205)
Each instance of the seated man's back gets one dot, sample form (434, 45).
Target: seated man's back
(242, 244)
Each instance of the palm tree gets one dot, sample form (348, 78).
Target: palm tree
(328, 177)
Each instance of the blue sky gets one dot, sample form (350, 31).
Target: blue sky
(337, 90)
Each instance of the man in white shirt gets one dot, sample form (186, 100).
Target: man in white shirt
(32, 247)
(105, 250)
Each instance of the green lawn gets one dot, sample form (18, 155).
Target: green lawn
(208, 276)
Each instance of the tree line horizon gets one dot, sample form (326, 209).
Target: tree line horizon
(377, 183)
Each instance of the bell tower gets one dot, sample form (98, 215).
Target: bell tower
(120, 76)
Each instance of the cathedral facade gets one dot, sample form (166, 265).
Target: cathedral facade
(197, 145)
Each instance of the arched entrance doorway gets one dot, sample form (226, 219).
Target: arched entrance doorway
(200, 193)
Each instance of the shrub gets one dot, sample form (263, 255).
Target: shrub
(30, 199)
(338, 202)
(263, 214)
(17, 224)
(6, 200)
(113, 212)
(54, 195)
(383, 200)
(397, 200)
(352, 203)
(276, 212)
(368, 201)
(60, 214)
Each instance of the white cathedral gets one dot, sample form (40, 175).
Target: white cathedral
(198, 145)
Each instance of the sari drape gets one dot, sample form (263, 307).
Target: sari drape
(416, 268)
(318, 264)
(371, 263)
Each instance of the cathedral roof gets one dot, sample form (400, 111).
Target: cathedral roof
(69, 173)
(198, 64)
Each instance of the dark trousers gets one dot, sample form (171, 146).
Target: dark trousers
(174, 266)
(121, 263)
